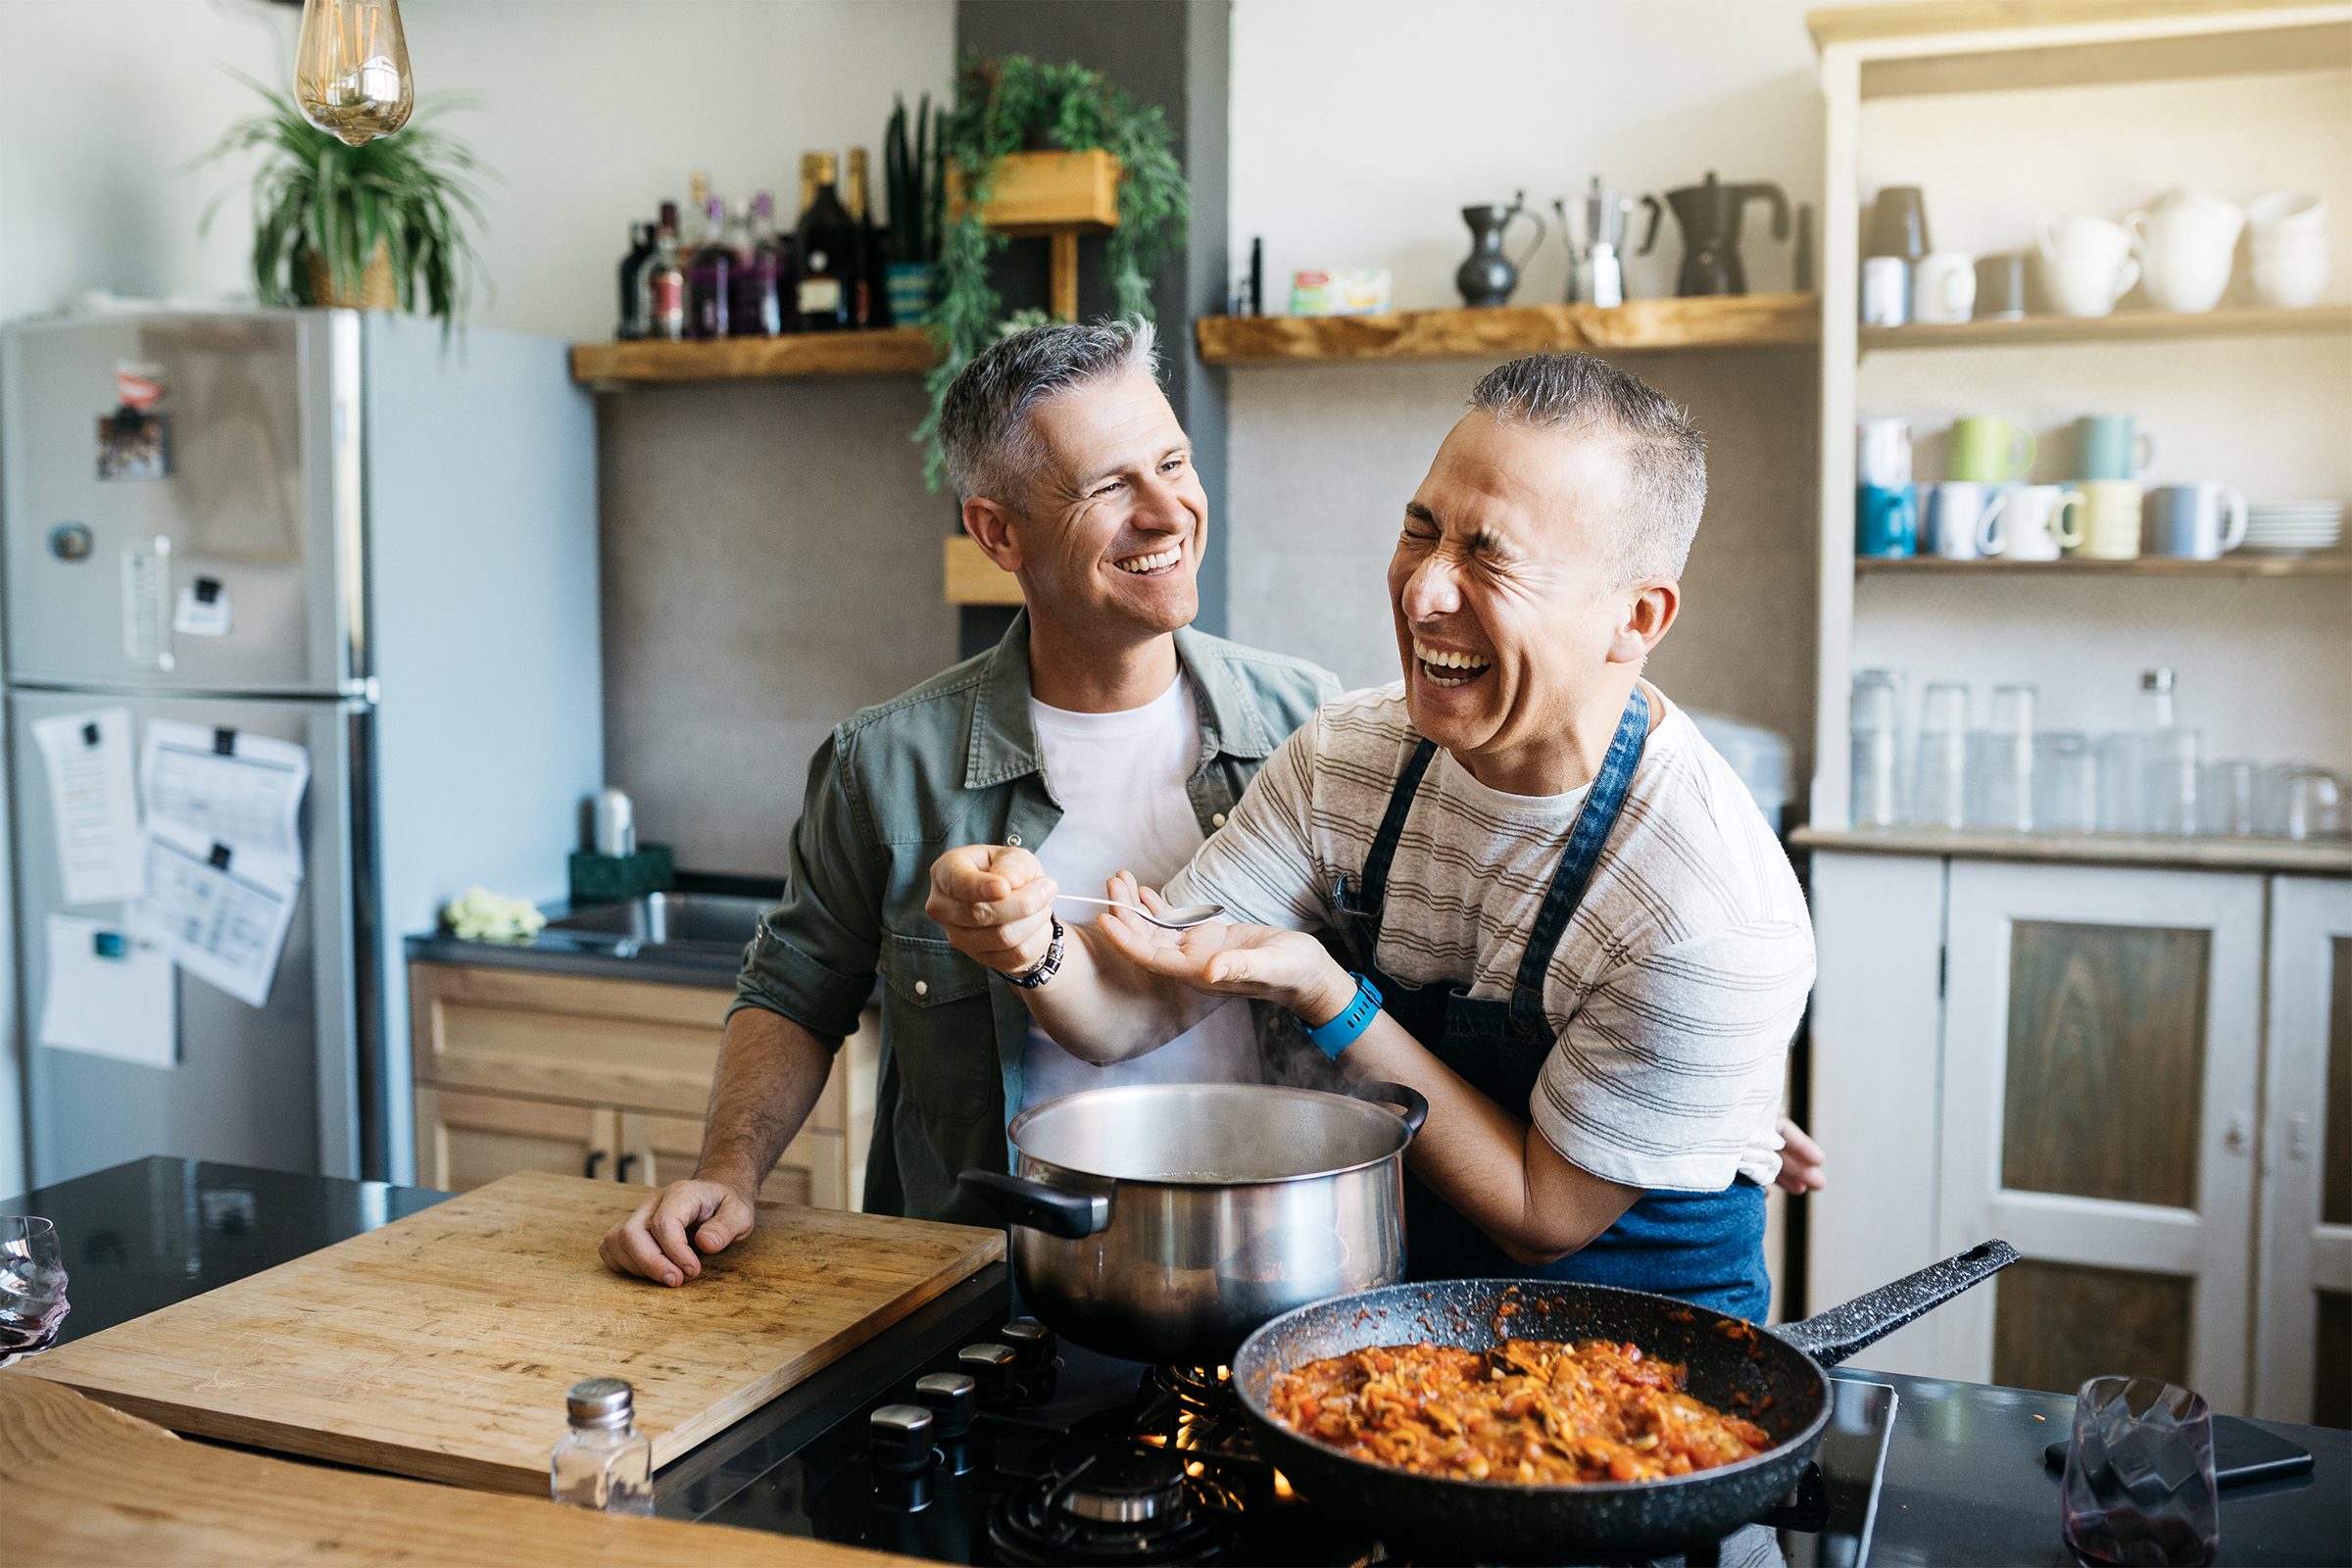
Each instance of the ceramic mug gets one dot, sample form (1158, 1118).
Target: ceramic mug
(1965, 520)
(2110, 519)
(1883, 451)
(1990, 450)
(1886, 291)
(2195, 521)
(2086, 262)
(2186, 243)
(1885, 521)
(2000, 287)
(2042, 520)
(2108, 446)
(1943, 287)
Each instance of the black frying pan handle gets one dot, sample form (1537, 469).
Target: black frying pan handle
(1831, 1337)
(1380, 1092)
(1018, 1201)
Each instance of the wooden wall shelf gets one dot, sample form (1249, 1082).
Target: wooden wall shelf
(2240, 565)
(1737, 320)
(974, 579)
(2323, 857)
(890, 351)
(2254, 321)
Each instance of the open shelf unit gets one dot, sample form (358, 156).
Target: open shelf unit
(2252, 321)
(1734, 320)
(888, 350)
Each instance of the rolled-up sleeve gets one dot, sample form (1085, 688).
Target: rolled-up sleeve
(813, 959)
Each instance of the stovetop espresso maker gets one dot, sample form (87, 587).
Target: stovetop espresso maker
(1708, 215)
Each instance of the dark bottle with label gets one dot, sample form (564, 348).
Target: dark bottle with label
(633, 323)
(710, 277)
(758, 280)
(665, 282)
(827, 289)
(872, 307)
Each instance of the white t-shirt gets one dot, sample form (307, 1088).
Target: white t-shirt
(1674, 991)
(1119, 779)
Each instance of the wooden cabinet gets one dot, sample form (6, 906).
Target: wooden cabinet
(524, 1070)
(2121, 1071)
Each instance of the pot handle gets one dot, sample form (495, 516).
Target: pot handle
(1055, 1210)
(1380, 1092)
(1832, 1336)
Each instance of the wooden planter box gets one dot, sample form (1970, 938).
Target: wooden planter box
(1040, 193)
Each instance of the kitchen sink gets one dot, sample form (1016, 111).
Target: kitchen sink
(714, 920)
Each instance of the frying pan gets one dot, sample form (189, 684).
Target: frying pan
(1776, 1372)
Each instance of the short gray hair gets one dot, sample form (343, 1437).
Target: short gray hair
(992, 448)
(1666, 457)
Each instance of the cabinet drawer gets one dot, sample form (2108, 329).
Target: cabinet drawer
(466, 1139)
(814, 1169)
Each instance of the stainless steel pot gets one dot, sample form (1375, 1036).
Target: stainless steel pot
(1166, 1222)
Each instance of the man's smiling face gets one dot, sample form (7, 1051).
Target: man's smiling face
(1117, 518)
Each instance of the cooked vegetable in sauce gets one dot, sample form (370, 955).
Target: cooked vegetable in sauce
(1528, 1410)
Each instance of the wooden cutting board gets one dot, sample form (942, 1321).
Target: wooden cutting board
(440, 1345)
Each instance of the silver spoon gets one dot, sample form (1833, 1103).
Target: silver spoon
(1179, 919)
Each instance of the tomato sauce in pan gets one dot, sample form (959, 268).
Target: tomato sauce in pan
(1528, 1410)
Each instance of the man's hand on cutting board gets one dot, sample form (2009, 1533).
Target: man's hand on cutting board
(655, 1242)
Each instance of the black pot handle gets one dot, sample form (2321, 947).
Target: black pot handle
(1380, 1092)
(1831, 1337)
(1055, 1210)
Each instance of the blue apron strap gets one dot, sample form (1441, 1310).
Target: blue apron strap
(1595, 821)
(1392, 828)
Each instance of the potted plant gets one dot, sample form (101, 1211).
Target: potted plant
(378, 226)
(917, 197)
(1010, 103)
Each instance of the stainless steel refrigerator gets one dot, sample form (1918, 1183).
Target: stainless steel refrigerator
(329, 528)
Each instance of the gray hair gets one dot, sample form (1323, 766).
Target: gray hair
(992, 447)
(1666, 457)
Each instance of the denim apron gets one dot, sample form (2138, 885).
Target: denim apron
(1705, 1247)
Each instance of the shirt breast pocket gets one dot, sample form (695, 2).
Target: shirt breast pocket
(940, 1028)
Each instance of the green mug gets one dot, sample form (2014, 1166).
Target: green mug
(2109, 446)
(1990, 450)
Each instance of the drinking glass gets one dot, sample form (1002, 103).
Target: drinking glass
(2139, 1484)
(2297, 800)
(1939, 784)
(1878, 785)
(2225, 808)
(2123, 782)
(33, 1285)
(2066, 783)
(2001, 762)
(2171, 775)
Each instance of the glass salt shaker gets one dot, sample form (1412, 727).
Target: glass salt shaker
(604, 1461)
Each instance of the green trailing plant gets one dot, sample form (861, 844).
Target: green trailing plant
(1002, 102)
(409, 194)
(911, 175)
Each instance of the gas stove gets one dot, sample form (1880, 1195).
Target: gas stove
(1015, 1448)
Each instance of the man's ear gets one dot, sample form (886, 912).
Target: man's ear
(1647, 616)
(996, 530)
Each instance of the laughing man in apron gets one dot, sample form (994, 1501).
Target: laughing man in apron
(1557, 911)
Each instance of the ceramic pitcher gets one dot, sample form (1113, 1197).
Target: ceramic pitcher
(1489, 277)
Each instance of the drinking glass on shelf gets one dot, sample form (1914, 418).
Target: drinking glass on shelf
(1878, 742)
(2139, 1484)
(2123, 784)
(2225, 803)
(2297, 800)
(2001, 786)
(1939, 784)
(2066, 783)
(33, 1285)
(2172, 775)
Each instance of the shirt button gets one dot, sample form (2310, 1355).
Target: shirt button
(1218, 820)
(1012, 841)
(922, 988)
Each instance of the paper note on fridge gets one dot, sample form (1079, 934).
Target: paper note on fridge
(225, 786)
(221, 917)
(110, 994)
(91, 805)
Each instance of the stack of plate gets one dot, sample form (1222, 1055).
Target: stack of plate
(2294, 526)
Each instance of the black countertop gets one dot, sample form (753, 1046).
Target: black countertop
(556, 950)
(1965, 1481)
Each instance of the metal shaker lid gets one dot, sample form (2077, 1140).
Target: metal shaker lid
(599, 1402)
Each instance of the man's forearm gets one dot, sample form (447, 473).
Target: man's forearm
(770, 1071)
(1101, 1009)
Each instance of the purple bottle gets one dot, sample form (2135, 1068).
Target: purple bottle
(710, 277)
(759, 274)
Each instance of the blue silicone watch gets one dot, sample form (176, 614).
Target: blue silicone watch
(1349, 1027)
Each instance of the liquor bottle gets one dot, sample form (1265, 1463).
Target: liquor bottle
(873, 296)
(808, 188)
(665, 282)
(710, 277)
(697, 199)
(827, 291)
(633, 323)
(759, 276)
(604, 1461)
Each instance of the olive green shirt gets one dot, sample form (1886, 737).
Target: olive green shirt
(957, 761)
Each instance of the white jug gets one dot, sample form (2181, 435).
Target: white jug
(2187, 242)
(2086, 262)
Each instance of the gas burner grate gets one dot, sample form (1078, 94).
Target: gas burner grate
(1122, 1503)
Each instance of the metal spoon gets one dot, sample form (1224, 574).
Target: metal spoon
(1179, 919)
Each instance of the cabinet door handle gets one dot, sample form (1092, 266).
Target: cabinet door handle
(596, 1157)
(2241, 1134)
(620, 1167)
(2298, 1136)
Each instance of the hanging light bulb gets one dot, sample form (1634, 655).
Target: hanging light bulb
(350, 68)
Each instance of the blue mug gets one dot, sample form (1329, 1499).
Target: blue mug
(1885, 520)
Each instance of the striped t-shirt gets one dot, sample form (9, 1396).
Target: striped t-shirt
(1672, 994)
